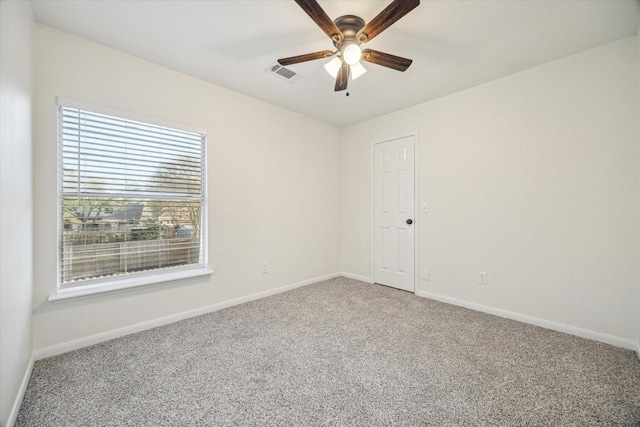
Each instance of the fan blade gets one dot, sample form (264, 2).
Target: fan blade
(304, 58)
(396, 10)
(342, 78)
(386, 59)
(313, 9)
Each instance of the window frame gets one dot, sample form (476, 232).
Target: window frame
(100, 285)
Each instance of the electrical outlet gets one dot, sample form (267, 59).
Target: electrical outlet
(482, 277)
(425, 275)
(265, 267)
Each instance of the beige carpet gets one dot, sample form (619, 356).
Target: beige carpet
(339, 352)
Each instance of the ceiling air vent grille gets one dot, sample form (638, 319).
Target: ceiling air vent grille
(282, 72)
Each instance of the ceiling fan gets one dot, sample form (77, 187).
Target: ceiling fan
(348, 32)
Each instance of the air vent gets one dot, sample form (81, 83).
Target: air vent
(282, 72)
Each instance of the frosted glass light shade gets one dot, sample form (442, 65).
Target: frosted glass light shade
(333, 66)
(357, 70)
(352, 54)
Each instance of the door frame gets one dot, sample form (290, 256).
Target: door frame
(416, 206)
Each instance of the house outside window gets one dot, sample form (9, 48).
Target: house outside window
(132, 198)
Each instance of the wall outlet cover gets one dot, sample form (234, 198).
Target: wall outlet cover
(482, 277)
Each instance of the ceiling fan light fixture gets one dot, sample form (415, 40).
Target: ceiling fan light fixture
(352, 54)
(347, 32)
(357, 70)
(333, 66)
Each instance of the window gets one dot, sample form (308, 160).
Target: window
(132, 198)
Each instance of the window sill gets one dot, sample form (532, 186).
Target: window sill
(124, 285)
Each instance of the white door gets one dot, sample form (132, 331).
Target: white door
(394, 222)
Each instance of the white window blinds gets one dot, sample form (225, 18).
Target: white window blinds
(132, 199)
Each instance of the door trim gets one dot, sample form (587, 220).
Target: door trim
(416, 207)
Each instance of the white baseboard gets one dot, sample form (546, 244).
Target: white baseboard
(568, 329)
(357, 277)
(54, 350)
(13, 415)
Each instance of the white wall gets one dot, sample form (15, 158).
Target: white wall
(273, 187)
(532, 178)
(15, 205)
(638, 205)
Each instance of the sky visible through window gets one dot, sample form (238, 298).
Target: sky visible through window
(122, 156)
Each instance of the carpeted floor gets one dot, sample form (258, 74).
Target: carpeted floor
(339, 352)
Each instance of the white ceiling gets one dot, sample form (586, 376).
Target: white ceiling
(454, 44)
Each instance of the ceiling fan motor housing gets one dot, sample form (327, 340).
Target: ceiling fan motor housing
(349, 25)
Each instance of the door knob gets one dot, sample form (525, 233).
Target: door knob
(409, 221)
